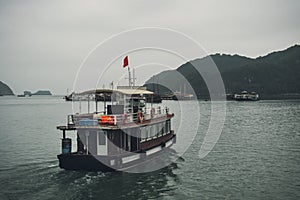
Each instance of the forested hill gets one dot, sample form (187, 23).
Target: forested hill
(5, 90)
(274, 75)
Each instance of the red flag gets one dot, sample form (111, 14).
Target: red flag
(125, 61)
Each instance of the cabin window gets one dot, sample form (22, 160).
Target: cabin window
(163, 128)
(152, 131)
(145, 130)
(148, 131)
(167, 126)
(128, 147)
(160, 129)
(143, 133)
(133, 144)
(101, 138)
(124, 140)
(156, 133)
(92, 141)
(155, 130)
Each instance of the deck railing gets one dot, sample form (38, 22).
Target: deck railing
(101, 119)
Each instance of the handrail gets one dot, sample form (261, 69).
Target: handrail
(114, 119)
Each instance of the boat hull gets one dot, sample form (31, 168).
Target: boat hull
(123, 162)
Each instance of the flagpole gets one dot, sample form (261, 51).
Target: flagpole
(129, 78)
(126, 64)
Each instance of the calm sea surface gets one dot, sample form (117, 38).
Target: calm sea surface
(256, 157)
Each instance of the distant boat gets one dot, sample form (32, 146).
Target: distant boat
(177, 96)
(23, 95)
(155, 98)
(69, 97)
(182, 96)
(74, 97)
(246, 96)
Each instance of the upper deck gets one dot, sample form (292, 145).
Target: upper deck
(123, 108)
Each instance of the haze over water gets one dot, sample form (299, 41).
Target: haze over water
(256, 157)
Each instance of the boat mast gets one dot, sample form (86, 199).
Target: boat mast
(129, 77)
(133, 77)
(131, 80)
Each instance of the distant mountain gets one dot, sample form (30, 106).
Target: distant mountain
(5, 89)
(275, 75)
(42, 92)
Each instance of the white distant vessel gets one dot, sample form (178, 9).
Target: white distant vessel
(246, 96)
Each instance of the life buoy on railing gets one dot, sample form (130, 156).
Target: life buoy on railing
(140, 117)
(125, 118)
(152, 112)
(107, 119)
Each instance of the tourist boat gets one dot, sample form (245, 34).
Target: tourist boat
(246, 96)
(128, 132)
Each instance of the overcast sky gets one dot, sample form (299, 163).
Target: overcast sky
(42, 43)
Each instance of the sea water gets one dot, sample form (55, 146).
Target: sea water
(256, 157)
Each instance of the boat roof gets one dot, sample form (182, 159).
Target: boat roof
(127, 91)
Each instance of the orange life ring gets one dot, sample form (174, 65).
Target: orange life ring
(106, 119)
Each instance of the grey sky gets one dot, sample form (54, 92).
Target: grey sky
(42, 43)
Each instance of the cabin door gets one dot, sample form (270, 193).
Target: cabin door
(101, 142)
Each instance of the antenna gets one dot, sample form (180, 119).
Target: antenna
(112, 85)
(133, 77)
